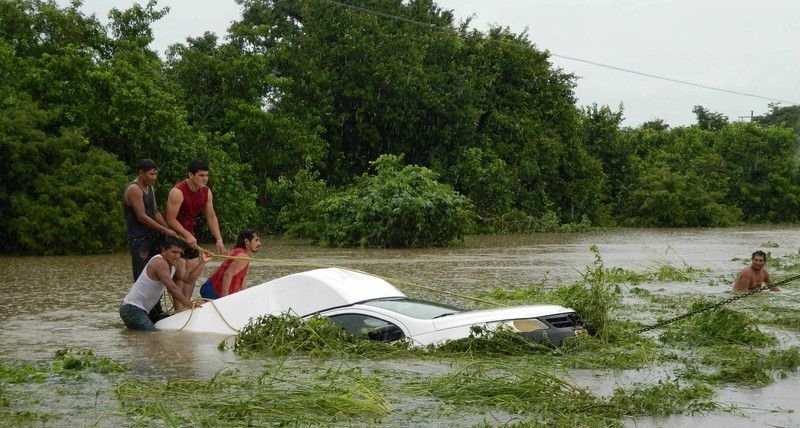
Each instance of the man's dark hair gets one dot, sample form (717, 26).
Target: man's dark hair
(168, 242)
(759, 253)
(146, 165)
(243, 235)
(197, 165)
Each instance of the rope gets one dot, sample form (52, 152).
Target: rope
(291, 263)
(718, 304)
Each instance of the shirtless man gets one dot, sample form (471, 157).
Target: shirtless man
(753, 276)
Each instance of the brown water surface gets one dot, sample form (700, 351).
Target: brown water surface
(57, 302)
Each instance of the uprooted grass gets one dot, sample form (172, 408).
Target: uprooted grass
(282, 335)
(279, 396)
(66, 365)
(544, 399)
(743, 365)
(720, 326)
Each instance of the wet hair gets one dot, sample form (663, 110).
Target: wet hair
(759, 253)
(197, 165)
(245, 234)
(146, 165)
(168, 242)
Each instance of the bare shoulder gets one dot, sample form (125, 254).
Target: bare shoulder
(175, 193)
(132, 191)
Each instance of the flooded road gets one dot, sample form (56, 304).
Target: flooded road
(59, 302)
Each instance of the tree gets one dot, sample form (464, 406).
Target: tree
(708, 120)
(398, 206)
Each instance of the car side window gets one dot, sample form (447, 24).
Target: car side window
(371, 327)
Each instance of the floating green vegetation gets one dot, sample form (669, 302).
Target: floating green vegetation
(631, 351)
(786, 318)
(720, 326)
(279, 396)
(70, 362)
(20, 374)
(544, 399)
(770, 244)
(663, 399)
(14, 404)
(484, 342)
(14, 375)
(316, 337)
(744, 365)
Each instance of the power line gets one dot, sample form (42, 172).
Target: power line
(597, 64)
(669, 79)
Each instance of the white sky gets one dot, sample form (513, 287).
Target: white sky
(742, 46)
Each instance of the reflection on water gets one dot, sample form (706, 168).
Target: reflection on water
(56, 302)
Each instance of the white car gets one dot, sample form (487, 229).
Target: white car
(366, 305)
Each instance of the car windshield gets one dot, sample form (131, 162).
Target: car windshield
(415, 308)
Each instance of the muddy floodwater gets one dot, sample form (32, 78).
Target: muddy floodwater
(52, 303)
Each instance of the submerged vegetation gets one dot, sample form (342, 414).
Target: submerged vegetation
(280, 395)
(313, 373)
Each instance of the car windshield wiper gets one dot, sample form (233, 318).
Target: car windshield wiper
(444, 314)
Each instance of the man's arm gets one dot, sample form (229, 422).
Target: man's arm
(191, 276)
(233, 269)
(213, 223)
(174, 202)
(160, 218)
(133, 197)
(161, 271)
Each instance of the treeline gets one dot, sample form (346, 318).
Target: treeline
(349, 128)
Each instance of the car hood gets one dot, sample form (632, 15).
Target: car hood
(499, 314)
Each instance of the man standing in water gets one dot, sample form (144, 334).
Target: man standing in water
(753, 276)
(165, 271)
(144, 222)
(184, 203)
(142, 217)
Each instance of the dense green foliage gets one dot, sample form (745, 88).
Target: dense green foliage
(399, 206)
(300, 98)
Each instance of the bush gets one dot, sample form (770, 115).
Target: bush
(396, 207)
(288, 200)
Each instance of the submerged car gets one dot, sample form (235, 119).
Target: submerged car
(370, 306)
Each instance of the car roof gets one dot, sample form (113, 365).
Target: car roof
(299, 294)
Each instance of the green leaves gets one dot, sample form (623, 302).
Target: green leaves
(396, 207)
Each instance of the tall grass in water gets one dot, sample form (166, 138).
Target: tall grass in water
(282, 335)
(593, 298)
(544, 399)
(279, 396)
(720, 326)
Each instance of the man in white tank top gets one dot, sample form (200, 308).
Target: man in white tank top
(165, 271)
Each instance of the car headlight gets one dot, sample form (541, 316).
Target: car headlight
(528, 325)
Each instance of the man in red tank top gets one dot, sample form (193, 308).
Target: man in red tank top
(231, 275)
(184, 203)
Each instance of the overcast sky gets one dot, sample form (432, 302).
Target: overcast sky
(740, 46)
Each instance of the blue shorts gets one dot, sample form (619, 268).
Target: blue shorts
(207, 291)
(136, 318)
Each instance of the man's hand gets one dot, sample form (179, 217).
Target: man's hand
(191, 241)
(206, 256)
(221, 247)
